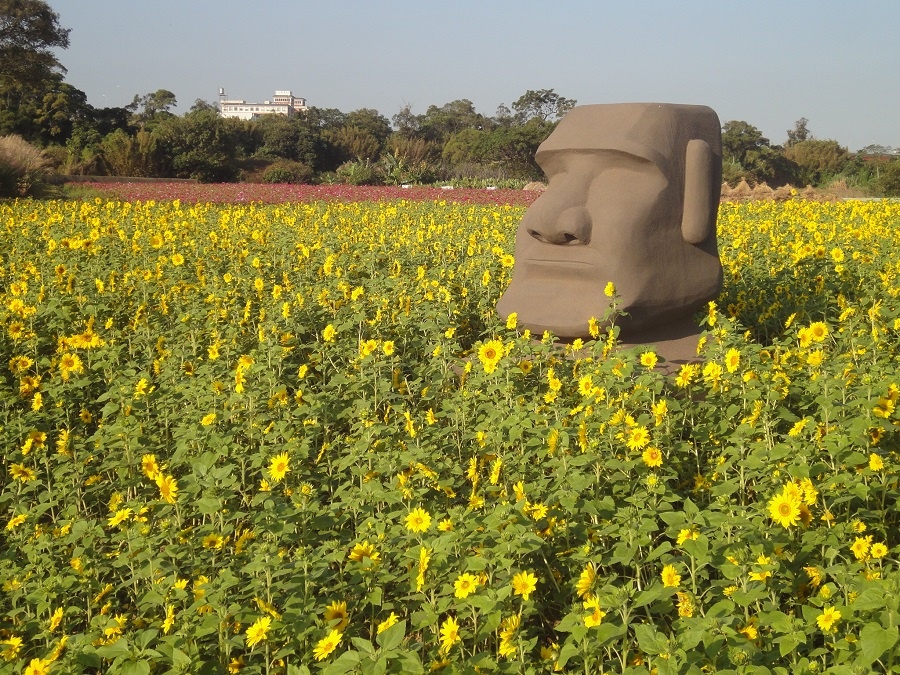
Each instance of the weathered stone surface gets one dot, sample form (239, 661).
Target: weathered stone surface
(632, 199)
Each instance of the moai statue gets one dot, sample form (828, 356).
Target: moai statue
(632, 199)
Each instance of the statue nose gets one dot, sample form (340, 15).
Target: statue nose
(570, 227)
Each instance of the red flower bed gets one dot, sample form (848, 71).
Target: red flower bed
(275, 194)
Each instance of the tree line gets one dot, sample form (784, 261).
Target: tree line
(452, 142)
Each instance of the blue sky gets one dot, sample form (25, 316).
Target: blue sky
(769, 63)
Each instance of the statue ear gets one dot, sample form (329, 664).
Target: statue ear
(698, 221)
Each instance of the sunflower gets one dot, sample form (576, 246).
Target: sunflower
(68, 364)
(596, 615)
(828, 619)
(637, 438)
(732, 360)
(387, 623)
(418, 520)
(119, 517)
(365, 553)
(490, 354)
(649, 359)
(37, 667)
(784, 509)
(670, 576)
(860, 547)
(326, 645)
(586, 385)
(524, 583)
(586, 580)
(19, 364)
(652, 456)
(337, 611)
(449, 634)
(878, 550)
(465, 585)
(168, 488)
(818, 331)
(22, 472)
(508, 629)
(279, 466)
(258, 631)
(150, 467)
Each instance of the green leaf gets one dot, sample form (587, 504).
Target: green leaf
(117, 649)
(875, 640)
(363, 645)
(410, 663)
(788, 643)
(342, 664)
(569, 649)
(652, 594)
(664, 547)
(650, 640)
(392, 637)
(698, 549)
(180, 660)
(569, 621)
(135, 668)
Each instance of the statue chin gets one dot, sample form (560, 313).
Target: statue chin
(564, 308)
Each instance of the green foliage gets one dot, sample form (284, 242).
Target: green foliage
(888, 182)
(748, 155)
(357, 173)
(199, 146)
(151, 107)
(354, 143)
(232, 432)
(817, 160)
(397, 171)
(544, 105)
(127, 155)
(29, 32)
(287, 172)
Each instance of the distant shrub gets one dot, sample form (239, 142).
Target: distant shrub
(888, 183)
(23, 168)
(287, 171)
(357, 173)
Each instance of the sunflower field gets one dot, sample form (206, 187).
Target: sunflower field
(296, 438)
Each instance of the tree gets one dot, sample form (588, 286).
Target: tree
(279, 137)
(439, 124)
(126, 155)
(198, 146)
(60, 109)
(817, 160)
(200, 104)
(543, 104)
(888, 182)
(355, 143)
(740, 138)
(748, 155)
(148, 107)
(405, 121)
(370, 120)
(799, 133)
(29, 30)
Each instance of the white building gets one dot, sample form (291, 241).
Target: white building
(283, 103)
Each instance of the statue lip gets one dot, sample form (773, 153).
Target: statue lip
(557, 262)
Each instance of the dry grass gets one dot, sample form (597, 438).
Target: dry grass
(23, 167)
(745, 192)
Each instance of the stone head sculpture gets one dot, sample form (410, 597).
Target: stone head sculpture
(632, 199)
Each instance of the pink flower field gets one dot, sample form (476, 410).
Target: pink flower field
(232, 193)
